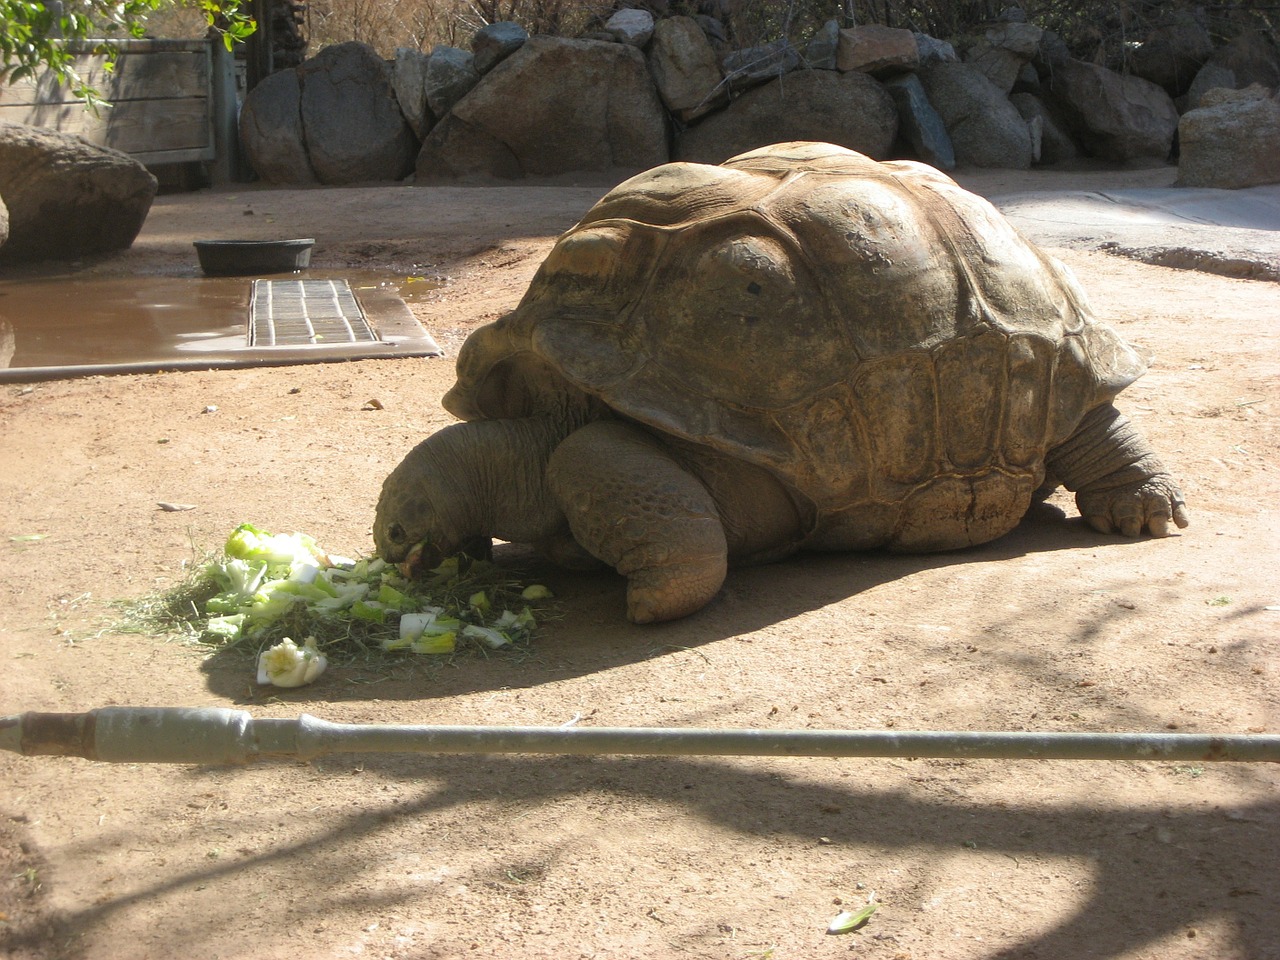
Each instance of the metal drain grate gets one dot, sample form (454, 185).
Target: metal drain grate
(299, 312)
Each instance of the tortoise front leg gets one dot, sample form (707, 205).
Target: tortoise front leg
(633, 505)
(1120, 484)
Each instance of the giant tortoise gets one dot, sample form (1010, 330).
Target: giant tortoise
(798, 349)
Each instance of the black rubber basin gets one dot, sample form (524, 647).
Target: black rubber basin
(234, 258)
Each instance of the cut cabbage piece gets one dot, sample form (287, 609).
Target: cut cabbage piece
(288, 665)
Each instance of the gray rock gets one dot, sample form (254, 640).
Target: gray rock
(932, 50)
(999, 66)
(985, 128)
(409, 80)
(1028, 80)
(1114, 116)
(1035, 129)
(753, 66)
(1056, 143)
(67, 198)
(1053, 51)
(849, 109)
(351, 119)
(820, 51)
(877, 50)
(631, 26)
(919, 124)
(685, 69)
(715, 32)
(552, 107)
(8, 344)
(271, 130)
(495, 42)
(451, 74)
(1210, 76)
(1252, 57)
(4, 222)
(456, 150)
(1016, 36)
(1232, 140)
(1172, 53)
(1003, 50)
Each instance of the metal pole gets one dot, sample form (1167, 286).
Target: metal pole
(222, 735)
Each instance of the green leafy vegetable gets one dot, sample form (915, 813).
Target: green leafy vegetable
(849, 920)
(266, 587)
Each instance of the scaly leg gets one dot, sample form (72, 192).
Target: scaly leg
(1119, 482)
(632, 504)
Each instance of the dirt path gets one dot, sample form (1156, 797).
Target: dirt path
(1051, 628)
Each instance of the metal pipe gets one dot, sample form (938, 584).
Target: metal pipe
(222, 735)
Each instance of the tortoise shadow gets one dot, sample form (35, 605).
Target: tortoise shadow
(592, 633)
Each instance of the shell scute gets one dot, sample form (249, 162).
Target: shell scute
(897, 398)
(972, 379)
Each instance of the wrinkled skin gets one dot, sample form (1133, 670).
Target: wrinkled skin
(801, 349)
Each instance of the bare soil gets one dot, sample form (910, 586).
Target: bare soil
(1053, 628)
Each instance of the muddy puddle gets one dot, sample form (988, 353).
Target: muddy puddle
(75, 325)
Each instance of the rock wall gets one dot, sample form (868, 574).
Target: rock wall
(639, 92)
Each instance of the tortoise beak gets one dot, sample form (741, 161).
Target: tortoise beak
(410, 562)
(421, 558)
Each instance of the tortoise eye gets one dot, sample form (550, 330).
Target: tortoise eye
(396, 533)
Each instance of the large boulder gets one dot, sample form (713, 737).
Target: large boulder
(335, 119)
(66, 197)
(877, 50)
(919, 124)
(8, 344)
(1173, 52)
(409, 80)
(451, 74)
(1003, 50)
(494, 42)
(1209, 77)
(1056, 143)
(1231, 140)
(351, 118)
(932, 50)
(1252, 57)
(271, 130)
(985, 128)
(752, 66)
(1115, 116)
(631, 25)
(820, 51)
(552, 107)
(686, 69)
(849, 109)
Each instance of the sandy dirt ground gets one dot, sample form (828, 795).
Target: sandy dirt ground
(1052, 628)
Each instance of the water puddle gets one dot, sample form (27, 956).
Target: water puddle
(72, 326)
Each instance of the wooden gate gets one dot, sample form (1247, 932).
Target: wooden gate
(171, 101)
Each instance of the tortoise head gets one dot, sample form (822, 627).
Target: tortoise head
(422, 512)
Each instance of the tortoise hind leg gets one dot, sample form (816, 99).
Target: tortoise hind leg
(1120, 484)
(631, 504)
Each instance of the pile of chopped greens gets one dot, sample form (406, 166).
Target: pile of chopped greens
(268, 587)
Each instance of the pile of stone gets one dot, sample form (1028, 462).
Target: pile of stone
(640, 91)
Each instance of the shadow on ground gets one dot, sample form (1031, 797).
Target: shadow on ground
(593, 634)
(1156, 872)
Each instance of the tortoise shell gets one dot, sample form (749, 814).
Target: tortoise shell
(880, 339)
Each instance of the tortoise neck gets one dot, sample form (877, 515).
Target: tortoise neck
(500, 468)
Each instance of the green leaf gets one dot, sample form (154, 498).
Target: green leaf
(849, 920)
